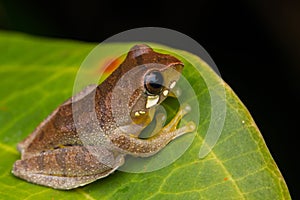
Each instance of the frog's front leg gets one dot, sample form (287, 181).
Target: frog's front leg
(69, 167)
(129, 144)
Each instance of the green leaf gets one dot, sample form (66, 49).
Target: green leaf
(37, 75)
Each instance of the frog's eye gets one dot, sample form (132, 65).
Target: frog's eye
(153, 82)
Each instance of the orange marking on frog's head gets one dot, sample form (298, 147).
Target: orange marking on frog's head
(111, 64)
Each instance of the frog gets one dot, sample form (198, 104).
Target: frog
(55, 156)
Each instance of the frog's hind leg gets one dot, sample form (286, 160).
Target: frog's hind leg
(69, 167)
(47, 124)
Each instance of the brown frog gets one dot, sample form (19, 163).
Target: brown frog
(55, 155)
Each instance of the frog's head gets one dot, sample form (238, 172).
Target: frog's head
(144, 80)
(153, 76)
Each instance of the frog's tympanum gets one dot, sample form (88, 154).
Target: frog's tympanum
(54, 154)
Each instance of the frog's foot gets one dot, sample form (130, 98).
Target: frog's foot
(147, 147)
(160, 119)
(172, 125)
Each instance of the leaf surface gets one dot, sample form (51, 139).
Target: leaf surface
(37, 75)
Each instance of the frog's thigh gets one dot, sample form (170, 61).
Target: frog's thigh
(66, 168)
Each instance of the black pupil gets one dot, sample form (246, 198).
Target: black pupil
(154, 82)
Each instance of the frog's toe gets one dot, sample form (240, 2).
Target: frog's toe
(187, 108)
(191, 126)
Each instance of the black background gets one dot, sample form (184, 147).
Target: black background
(255, 44)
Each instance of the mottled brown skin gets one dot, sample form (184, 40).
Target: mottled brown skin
(55, 155)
